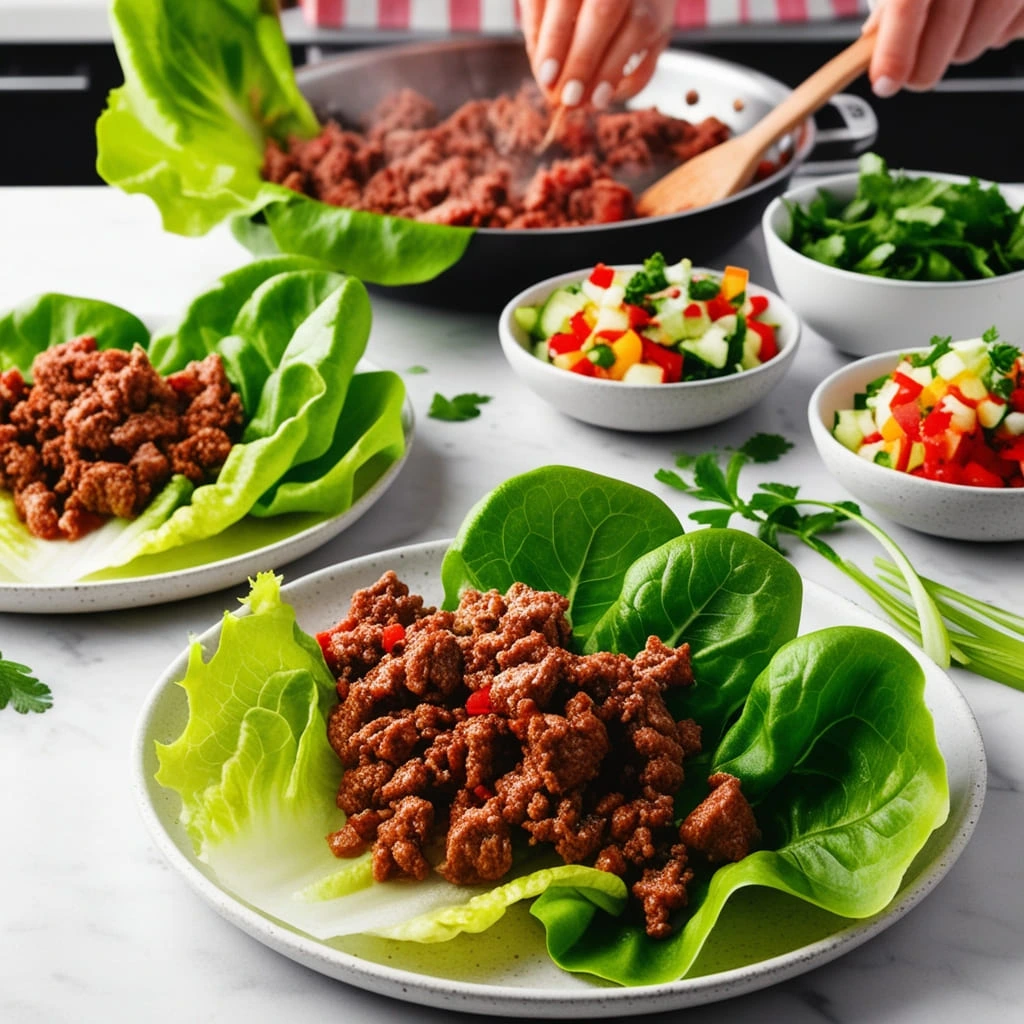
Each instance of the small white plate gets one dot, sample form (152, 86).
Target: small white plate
(764, 937)
(300, 534)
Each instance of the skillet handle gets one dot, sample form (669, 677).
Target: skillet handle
(836, 149)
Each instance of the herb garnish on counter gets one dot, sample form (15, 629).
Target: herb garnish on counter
(458, 407)
(21, 689)
(949, 626)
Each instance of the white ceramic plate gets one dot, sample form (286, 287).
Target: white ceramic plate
(299, 534)
(763, 938)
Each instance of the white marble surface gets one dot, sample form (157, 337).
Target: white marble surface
(94, 926)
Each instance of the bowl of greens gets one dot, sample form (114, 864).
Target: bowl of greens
(872, 258)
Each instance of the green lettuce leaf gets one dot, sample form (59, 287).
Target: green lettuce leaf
(836, 751)
(206, 85)
(562, 529)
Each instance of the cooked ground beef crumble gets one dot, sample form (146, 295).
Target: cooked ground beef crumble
(462, 731)
(99, 432)
(480, 167)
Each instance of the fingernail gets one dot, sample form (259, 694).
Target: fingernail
(885, 87)
(548, 71)
(602, 95)
(572, 92)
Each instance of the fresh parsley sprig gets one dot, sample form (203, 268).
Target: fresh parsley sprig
(20, 689)
(948, 625)
(458, 408)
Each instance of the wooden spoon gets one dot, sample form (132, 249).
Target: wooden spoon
(728, 167)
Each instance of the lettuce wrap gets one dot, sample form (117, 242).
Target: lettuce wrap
(828, 733)
(205, 86)
(316, 434)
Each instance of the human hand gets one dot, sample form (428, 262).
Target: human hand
(596, 50)
(919, 39)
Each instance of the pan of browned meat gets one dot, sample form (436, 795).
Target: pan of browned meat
(449, 132)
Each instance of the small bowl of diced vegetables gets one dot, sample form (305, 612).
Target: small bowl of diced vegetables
(650, 347)
(877, 255)
(931, 437)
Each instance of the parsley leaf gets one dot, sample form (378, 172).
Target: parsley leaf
(765, 447)
(1003, 357)
(651, 279)
(458, 408)
(20, 689)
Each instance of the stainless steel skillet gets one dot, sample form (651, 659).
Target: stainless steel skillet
(500, 262)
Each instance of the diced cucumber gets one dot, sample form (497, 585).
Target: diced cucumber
(610, 318)
(712, 347)
(990, 414)
(679, 273)
(540, 350)
(846, 429)
(527, 317)
(644, 373)
(562, 304)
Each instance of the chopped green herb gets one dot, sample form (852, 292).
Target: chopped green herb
(907, 228)
(940, 346)
(20, 689)
(416, 369)
(457, 408)
(949, 626)
(1003, 357)
(704, 289)
(650, 279)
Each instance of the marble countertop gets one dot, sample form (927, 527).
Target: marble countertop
(94, 925)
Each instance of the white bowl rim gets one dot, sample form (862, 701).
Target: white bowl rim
(785, 353)
(892, 357)
(810, 188)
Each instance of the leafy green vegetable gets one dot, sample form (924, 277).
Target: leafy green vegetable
(558, 528)
(20, 688)
(722, 592)
(206, 85)
(976, 643)
(290, 334)
(838, 757)
(918, 228)
(457, 408)
(650, 279)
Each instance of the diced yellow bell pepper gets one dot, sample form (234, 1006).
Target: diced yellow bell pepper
(567, 360)
(891, 430)
(932, 393)
(734, 282)
(628, 349)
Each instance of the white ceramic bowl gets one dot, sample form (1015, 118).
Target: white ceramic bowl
(954, 511)
(645, 407)
(861, 314)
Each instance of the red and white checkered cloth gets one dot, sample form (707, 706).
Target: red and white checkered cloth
(498, 16)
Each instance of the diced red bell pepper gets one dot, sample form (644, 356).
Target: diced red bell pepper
(758, 304)
(602, 276)
(719, 307)
(579, 327)
(392, 635)
(909, 389)
(670, 361)
(1014, 452)
(936, 422)
(479, 702)
(903, 455)
(324, 640)
(694, 310)
(977, 475)
(560, 344)
(769, 347)
(638, 316)
(609, 335)
(948, 473)
(584, 367)
(1017, 399)
(481, 792)
(872, 438)
(908, 416)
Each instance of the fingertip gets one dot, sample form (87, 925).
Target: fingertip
(885, 87)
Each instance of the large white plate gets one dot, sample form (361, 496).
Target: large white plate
(298, 535)
(763, 938)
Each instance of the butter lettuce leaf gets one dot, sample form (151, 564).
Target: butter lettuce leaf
(206, 85)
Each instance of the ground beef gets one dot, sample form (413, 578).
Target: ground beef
(98, 434)
(460, 731)
(480, 166)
